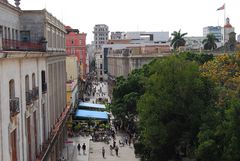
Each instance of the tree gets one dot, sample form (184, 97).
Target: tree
(210, 42)
(171, 108)
(125, 96)
(178, 39)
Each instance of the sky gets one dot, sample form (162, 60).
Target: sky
(140, 15)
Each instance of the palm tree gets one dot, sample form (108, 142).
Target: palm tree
(210, 42)
(178, 39)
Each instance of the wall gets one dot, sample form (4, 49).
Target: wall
(72, 67)
(17, 69)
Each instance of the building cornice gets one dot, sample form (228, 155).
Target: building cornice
(27, 54)
(9, 6)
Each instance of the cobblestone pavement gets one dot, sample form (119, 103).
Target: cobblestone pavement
(94, 149)
(126, 153)
(70, 151)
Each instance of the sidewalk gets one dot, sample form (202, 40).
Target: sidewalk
(70, 151)
(126, 153)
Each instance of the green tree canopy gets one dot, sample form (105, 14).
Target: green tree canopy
(210, 42)
(171, 108)
(178, 39)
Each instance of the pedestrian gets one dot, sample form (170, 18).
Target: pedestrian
(116, 150)
(78, 147)
(129, 141)
(103, 152)
(126, 140)
(84, 148)
(114, 143)
(111, 148)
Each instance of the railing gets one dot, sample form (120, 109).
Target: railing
(8, 44)
(44, 87)
(14, 106)
(29, 97)
(35, 93)
(58, 127)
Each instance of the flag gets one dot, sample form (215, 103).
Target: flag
(221, 8)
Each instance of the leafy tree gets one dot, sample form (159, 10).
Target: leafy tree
(178, 39)
(210, 42)
(171, 108)
(200, 58)
(220, 127)
(125, 96)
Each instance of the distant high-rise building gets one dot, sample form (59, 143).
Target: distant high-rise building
(100, 35)
(117, 35)
(215, 30)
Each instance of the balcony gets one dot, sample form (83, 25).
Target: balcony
(44, 87)
(15, 45)
(35, 93)
(14, 106)
(29, 97)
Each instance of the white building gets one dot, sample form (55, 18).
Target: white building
(100, 32)
(32, 85)
(227, 30)
(215, 30)
(148, 37)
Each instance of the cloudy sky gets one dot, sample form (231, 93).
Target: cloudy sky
(140, 15)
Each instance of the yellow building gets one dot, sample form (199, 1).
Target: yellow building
(72, 69)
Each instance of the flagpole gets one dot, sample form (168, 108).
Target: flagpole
(224, 22)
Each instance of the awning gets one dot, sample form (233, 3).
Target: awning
(91, 105)
(85, 114)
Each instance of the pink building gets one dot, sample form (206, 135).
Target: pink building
(76, 45)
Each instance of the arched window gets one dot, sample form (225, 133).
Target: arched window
(33, 81)
(11, 89)
(27, 91)
(26, 83)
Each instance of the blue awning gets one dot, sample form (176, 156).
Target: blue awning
(85, 114)
(91, 105)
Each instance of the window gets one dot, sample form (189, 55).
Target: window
(33, 81)
(25, 35)
(44, 84)
(100, 66)
(100, 56)
(100, 72)
(72, 41)
(26, 83)
(1, 31)
(11, 89)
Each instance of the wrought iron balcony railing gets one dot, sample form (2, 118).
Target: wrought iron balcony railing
(35, 93)
(29, 97)
(44, 87)
(14, 106)
(8, 44)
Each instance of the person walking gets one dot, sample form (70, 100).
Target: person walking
(103, 152)
(114, 143)
(111, 148)
(84, 148)
(116, 150)
(78, 147)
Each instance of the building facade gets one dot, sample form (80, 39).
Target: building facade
(76, 45)
(122, 61)
(72, 68)
(33, 108)
(215, 30)
(227, 30)
(100, 32)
